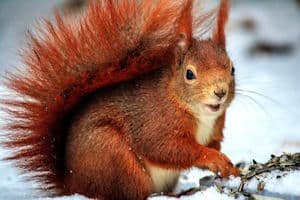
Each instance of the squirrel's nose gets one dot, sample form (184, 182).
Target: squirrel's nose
(220, 93)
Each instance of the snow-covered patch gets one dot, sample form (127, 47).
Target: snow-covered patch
(275, 178)
(284, 183)
(71, 197)
(211, 193)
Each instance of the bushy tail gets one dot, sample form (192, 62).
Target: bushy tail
(113, 41)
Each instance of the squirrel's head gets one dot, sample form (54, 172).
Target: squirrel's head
(204, 77)
(203, 72)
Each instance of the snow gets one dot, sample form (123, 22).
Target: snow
(71, 197)
(254, 129)
(209, 194)
(276, 181)
(285, 185)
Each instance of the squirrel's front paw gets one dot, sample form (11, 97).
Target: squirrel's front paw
(219, 163)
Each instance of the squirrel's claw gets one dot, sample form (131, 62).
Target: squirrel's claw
(220, 164)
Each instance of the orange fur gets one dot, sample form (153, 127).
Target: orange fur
(107, 95)
(219, 35)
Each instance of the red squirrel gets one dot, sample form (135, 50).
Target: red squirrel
(117, 103)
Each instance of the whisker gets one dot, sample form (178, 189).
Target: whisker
(251, 80)
(199, 95)
(259, 94)
(256, 103)
(244, 78)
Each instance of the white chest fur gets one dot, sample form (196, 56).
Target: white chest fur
(163, 179)
(205, 130)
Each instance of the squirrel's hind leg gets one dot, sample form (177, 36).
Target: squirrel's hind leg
(100, 164)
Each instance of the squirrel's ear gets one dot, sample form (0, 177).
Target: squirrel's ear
(180, 51)
(184, 30)
(219, 33)
(182, 44)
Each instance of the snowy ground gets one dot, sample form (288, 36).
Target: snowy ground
(257, 125)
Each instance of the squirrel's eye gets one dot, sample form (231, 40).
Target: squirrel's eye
(190, 75)
(232, 71)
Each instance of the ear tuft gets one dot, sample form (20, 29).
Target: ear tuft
(182, 43)
(219, 34)
(185, 29)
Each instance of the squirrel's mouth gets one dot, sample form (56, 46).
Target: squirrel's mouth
(213, 107)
